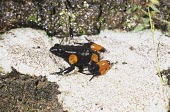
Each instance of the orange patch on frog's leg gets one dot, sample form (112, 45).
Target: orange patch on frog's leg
(95, 58)
(72, 59)
(97, 47)
(104, 66)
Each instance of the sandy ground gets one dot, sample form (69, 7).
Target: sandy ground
(131, 85)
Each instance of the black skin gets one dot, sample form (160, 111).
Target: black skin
(83, 54)
(89, 44)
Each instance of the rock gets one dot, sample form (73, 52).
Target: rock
(27, 51)
(134, 86)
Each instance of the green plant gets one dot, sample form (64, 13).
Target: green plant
(151, 5)
(144, 18)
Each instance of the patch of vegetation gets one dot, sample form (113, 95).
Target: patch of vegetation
(138, 16)
(64, 18)
(19, 92)
(166, 73)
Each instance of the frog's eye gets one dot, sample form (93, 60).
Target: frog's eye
(56, 45)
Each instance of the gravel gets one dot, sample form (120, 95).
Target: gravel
(132, 84)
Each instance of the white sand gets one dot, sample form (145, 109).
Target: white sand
(131, 87)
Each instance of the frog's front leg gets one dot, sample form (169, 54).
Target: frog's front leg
(65, 71)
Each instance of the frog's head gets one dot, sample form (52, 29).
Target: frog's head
(57, 50)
